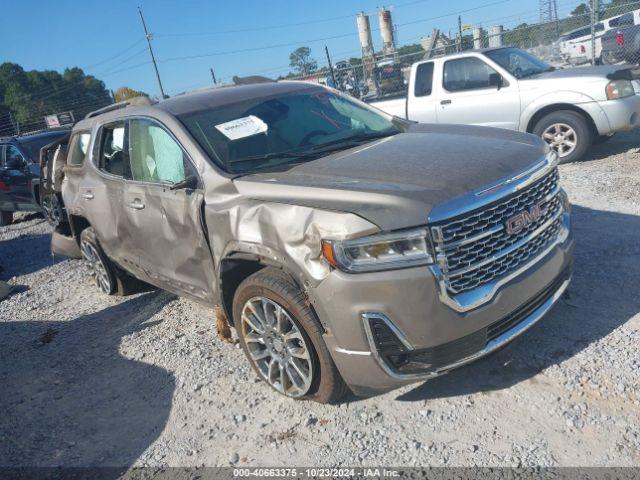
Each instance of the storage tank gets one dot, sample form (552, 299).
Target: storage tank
(386, 31)
(495, 36)
(364, 32)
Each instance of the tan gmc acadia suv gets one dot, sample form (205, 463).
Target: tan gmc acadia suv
(348, 248)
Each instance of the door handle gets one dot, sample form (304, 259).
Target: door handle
(87, 196)
(445, 102)
(136, 204)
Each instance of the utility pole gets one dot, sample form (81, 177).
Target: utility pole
(213, 75)
(148, 36)
(594, 20)
(333, 77)
(459, 33)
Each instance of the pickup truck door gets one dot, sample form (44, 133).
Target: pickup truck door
(472, 92)
(421, 100)
(163, 228)
(16, 177)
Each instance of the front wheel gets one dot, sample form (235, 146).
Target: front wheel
(567, 133)
(282, 339)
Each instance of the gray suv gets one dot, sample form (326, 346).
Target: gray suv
(348, 248)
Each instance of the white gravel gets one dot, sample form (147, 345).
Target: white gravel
(90, 380)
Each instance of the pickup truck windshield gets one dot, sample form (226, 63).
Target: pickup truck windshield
(279, 131)
(518, 63)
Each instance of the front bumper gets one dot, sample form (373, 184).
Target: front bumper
(617, 115)
(410, 301)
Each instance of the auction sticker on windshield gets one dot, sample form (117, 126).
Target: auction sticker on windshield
(242, 127)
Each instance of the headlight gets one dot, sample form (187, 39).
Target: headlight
(620, 89)
(387, 251)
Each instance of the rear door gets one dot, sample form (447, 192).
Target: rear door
(421, 104)
(101, 188)
(164, 227)
(470, 95)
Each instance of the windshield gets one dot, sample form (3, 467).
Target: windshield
(518, 63)
(278, 131)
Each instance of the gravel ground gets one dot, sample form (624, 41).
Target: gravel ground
(91, 380)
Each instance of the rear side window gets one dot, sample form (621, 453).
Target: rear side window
(113, 157)
(424, 80)
(13, 159)
(78, 147)
(466, 74)
(623, 21)
(155, 155)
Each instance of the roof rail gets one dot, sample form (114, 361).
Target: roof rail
(142, 100)
(252, 79)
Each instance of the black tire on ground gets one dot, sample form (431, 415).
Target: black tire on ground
(110, 279)
(327, 385)
(6, 218)
(583, 134)
(608, 58)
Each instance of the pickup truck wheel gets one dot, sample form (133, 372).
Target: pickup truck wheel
(567, 133)
(6, 218)
(53, 211)
(102, 270)
(283, 340)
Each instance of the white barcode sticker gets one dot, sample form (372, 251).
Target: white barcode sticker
(242, 127)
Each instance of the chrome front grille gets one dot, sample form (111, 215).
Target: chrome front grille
(477, 248)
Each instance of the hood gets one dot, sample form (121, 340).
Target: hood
(611, 72)
(394, 182)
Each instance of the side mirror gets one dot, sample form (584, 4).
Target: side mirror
(496, 80)
(191, 183)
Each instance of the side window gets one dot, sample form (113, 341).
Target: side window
(155, 155)
(623, 21)
(466, 74)
(78, 147)
(424, 80)
(13, 158)
(113, 157)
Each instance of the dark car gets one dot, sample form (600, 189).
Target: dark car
(622, 44)
(20, 172)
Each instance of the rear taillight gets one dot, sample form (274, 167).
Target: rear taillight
(4, 187)
(582, 49)
(620, 39)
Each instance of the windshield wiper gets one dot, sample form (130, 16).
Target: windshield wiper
(271, 156)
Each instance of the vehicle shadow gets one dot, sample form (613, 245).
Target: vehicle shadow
(70, 399)
(25, 254)
(620, 143)
(604, 294)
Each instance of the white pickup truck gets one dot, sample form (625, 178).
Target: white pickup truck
(510, 88)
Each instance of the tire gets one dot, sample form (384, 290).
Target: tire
(102, 269)
(278, 354)
(608, 58)
(560, 129)
(6, 218)
(53, 210)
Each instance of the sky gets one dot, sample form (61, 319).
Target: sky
(240, 37)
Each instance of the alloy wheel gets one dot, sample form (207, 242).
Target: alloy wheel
(97, 266)
(277, 347)
(561, 137)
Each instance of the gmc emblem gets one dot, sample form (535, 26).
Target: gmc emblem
(516, 223)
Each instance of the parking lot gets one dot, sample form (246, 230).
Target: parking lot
(94, 380)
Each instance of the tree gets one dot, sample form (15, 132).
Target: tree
(581, 9)
(125, 93)
(30, 95)
(302, 63)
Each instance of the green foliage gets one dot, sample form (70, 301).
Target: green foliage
(30, 95)
(301, 62)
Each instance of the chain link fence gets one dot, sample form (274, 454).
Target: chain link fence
(606, 34)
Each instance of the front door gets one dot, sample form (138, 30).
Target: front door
(164, 223)
(472, 94)
(15, 189)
